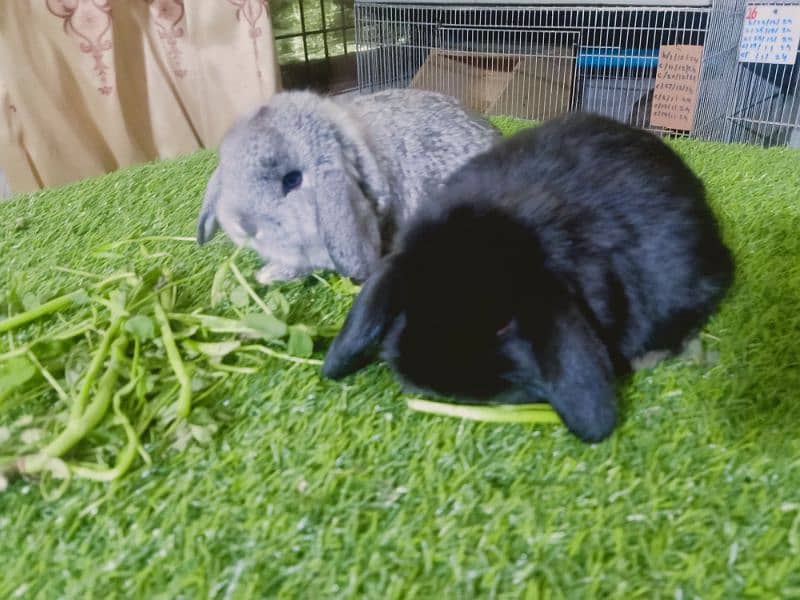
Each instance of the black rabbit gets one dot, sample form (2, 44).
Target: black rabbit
(542, 270)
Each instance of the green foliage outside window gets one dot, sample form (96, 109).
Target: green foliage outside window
(332, 20)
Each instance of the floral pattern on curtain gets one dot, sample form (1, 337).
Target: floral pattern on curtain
(89, 86)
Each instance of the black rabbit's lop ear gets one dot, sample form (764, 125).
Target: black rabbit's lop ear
(373, 312)
(577, 374)
(207, 224)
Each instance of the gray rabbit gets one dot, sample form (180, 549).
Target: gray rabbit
(315, 182)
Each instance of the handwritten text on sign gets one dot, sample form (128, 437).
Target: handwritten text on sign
(770, 34)
(675, 93)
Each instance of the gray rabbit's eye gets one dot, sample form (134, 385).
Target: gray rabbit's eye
(291, 180)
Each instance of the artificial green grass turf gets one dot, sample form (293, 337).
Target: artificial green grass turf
(313, 488)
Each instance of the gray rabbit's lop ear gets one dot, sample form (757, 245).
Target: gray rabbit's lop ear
(349, 226)
(354, 199)
(578, 376)
(207, 224)
(374, 310)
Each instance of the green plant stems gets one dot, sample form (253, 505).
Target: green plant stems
(94, 368)
(45, 309)
(521, 413)
(78, 427)
(175, 361)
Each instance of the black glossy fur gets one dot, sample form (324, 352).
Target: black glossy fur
(542, 270)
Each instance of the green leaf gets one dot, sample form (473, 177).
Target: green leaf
(216, 324)
(167, 298)
(81, 298)
(14, 373)
(217, 285)
(75, 364)
(72, 375)
(142, 327)
(239, 297)
(203, 435)
(31, 301)
(146, 284)
(50, 348)
(326, 332)
(300, 342)
(268, 326)
(151, 277)
(345, 285)
(198, 383)
(117, 300)
(213, 349)
(12, 297)
(278, 304)
(186, 332)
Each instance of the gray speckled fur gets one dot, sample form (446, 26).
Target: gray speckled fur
(368, 161)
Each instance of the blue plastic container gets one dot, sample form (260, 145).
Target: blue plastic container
(595, 57)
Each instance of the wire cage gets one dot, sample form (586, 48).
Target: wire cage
(750, 99)
(535, 61)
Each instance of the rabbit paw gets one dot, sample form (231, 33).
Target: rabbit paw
(649, 360)
(275, 272)
(691, 350)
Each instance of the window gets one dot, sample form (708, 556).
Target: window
(315, 40)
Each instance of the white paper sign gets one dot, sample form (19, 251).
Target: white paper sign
(770, 34)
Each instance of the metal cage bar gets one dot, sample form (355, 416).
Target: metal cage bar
(535, 61)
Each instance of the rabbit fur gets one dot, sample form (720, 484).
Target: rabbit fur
(542, 270)
(366, 163)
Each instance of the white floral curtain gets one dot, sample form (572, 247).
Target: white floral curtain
(89, 86)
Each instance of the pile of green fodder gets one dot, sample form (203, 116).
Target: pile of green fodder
(125, 352)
